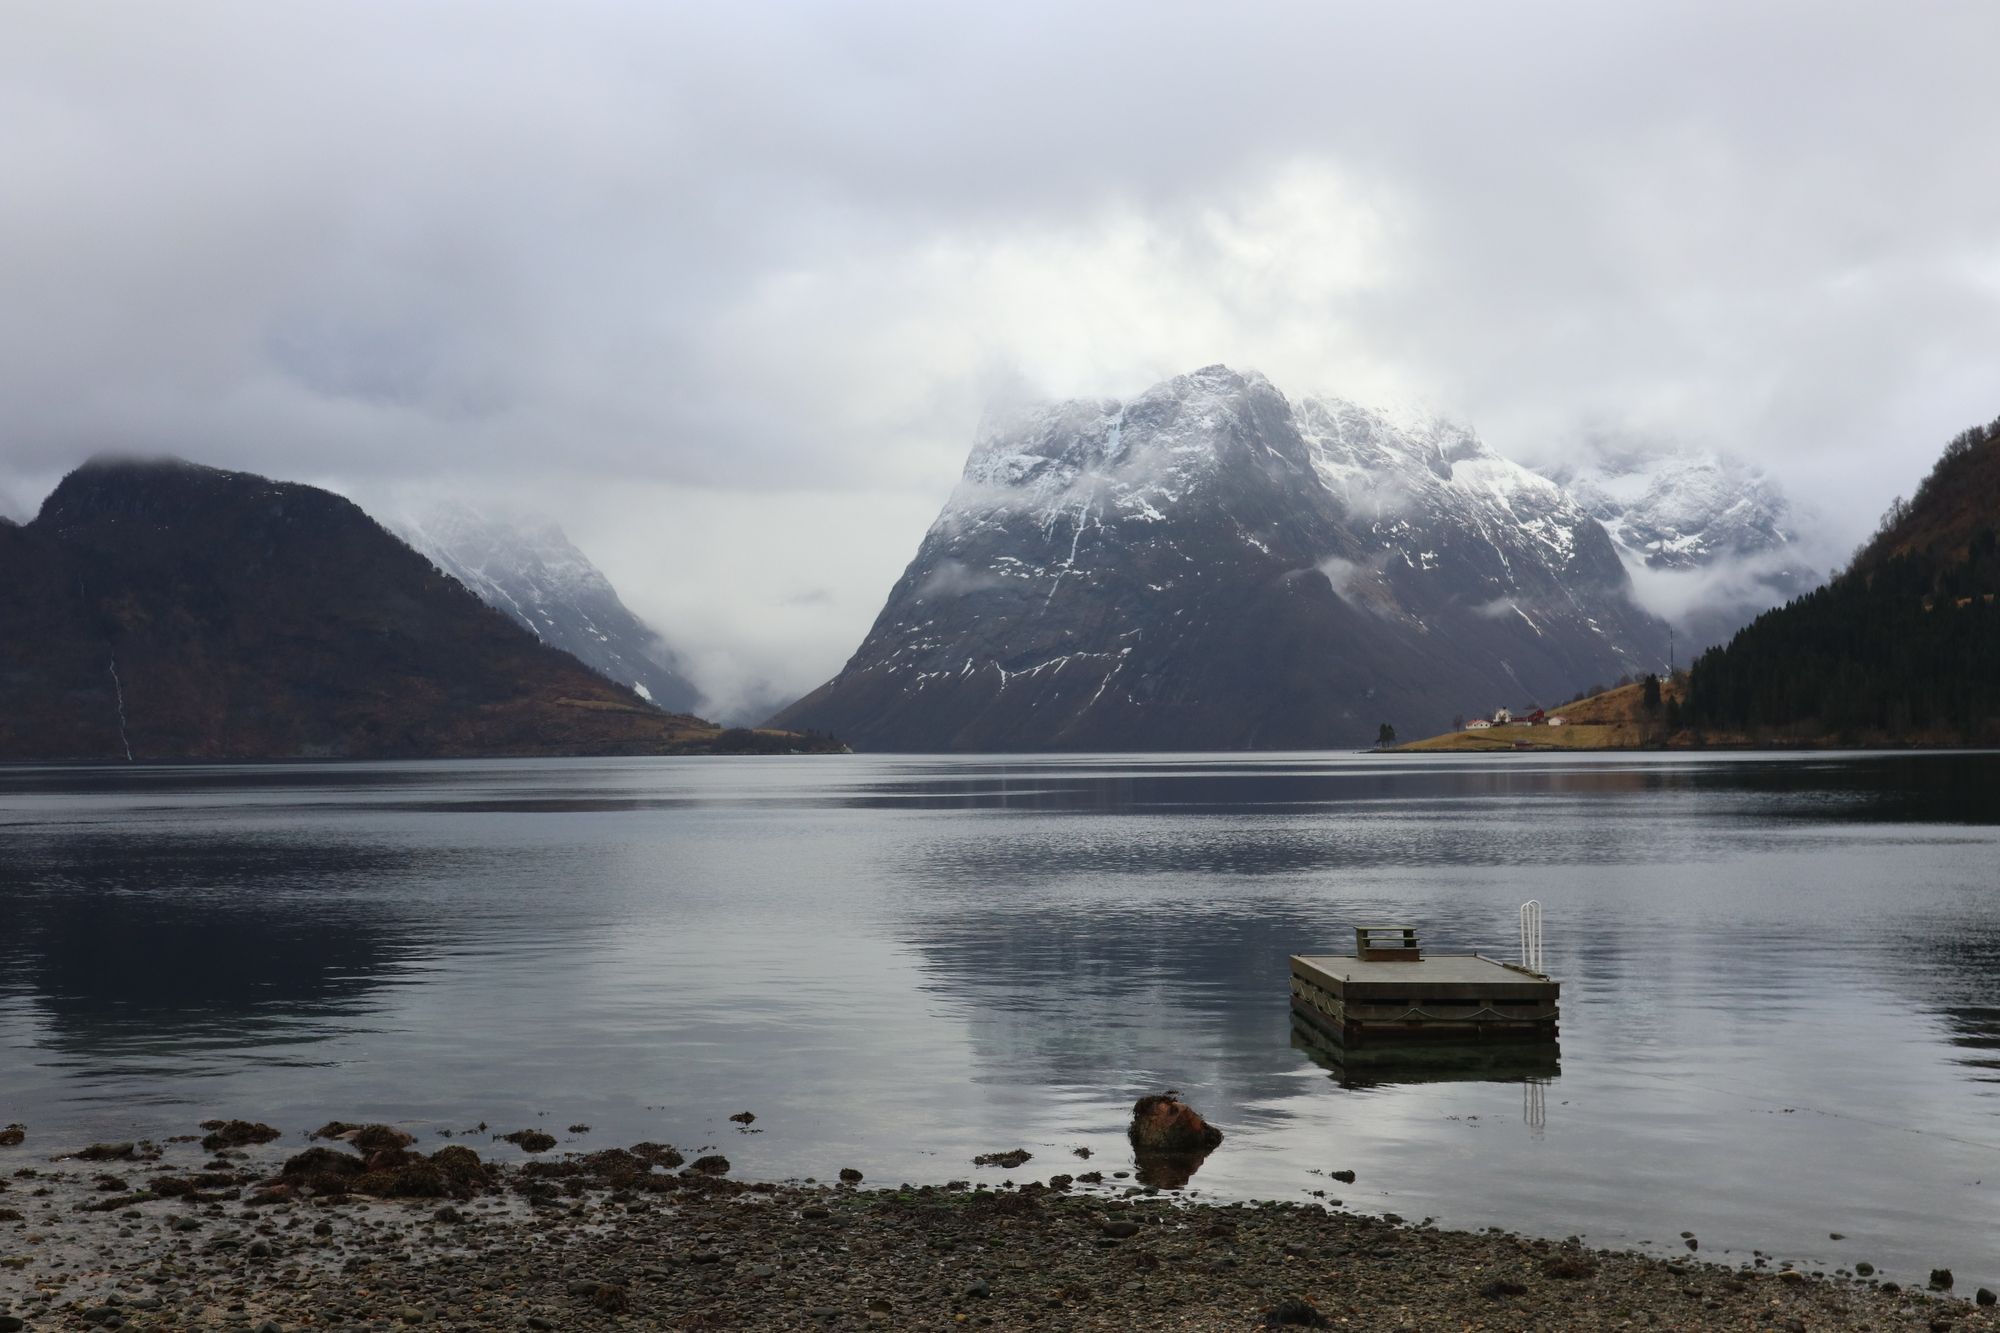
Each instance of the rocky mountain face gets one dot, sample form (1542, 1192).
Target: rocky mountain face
(1210, 566)
(1713, 541)
(160, 610)
(528, 569)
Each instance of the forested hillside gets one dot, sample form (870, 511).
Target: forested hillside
(1902, 647)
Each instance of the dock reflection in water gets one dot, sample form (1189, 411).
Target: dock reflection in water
(1380, 1063)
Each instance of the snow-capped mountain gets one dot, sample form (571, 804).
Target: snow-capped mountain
(1711, 541)
(528, 568)
(1208, 566)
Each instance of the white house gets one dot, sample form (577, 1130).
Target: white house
(1558, 721)
(1502, 716)
(1478, 724)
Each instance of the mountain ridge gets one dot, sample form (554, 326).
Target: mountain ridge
(162, 610)
(1209, 566)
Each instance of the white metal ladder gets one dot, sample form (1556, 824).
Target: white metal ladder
(1531, 935)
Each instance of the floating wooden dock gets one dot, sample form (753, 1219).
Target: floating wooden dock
(1389, 989)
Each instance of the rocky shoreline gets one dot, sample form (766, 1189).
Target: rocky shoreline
(362, 1230)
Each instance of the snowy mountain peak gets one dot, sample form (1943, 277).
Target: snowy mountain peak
(1123, 459)
(1207, 565)
(525, 566)
(1683, 507)
(1711, 541)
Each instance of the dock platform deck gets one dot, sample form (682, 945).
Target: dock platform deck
(1455, 996)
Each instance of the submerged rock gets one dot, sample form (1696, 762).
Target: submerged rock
(1013, 1157)
(13, 1135)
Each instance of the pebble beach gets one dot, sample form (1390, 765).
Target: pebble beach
(358, 1228)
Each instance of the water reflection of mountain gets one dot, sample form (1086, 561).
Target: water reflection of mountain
(1117, 1000)
(1084, 942)
(1952, 787)
(1953, 966)
(1949, 787)
(123, 944)
(1201, 784)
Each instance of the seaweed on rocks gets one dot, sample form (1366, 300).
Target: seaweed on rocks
(659, 1154)
(388, 1173)
(236, 1134)
(109, 1152)
(378, 1138)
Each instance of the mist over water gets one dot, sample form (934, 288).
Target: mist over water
(1779, 1015)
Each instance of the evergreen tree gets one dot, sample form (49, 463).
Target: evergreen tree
(1385, 737)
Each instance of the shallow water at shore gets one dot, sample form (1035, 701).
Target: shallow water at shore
(1780, 1018)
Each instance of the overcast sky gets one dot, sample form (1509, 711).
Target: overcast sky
(723, 287)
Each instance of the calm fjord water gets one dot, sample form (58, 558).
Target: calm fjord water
(1781, 1015)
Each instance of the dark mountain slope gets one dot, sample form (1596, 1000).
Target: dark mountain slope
(1903, 647)
(163, 610)
(1207, 567)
